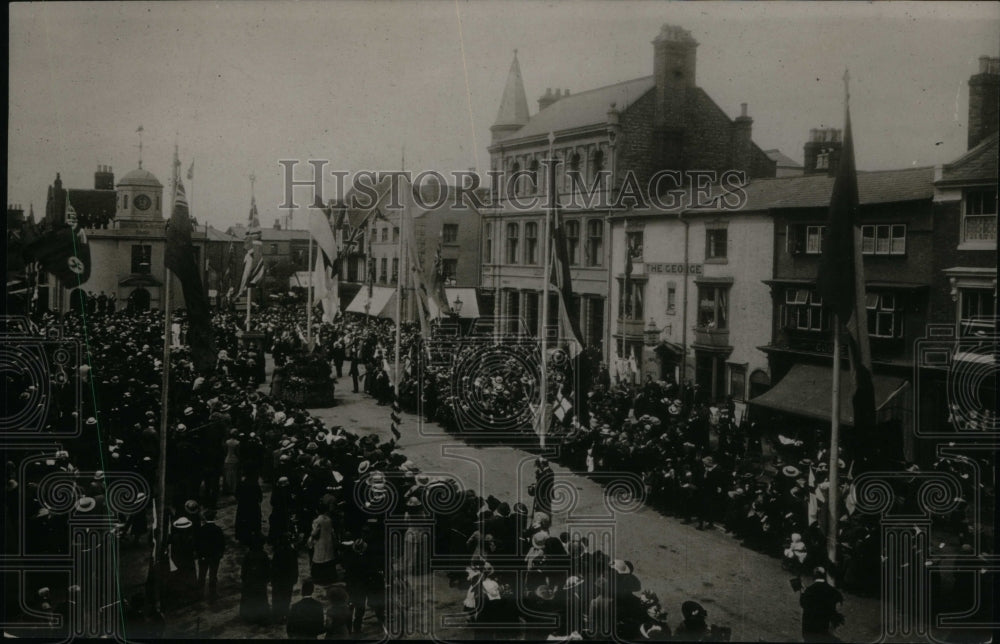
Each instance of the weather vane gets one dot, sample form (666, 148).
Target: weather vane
(139, 132)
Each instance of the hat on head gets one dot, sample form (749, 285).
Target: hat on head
(413, 502)
(283, 481)
(85, 504)
(182, 523)
(91, 421)
(363, 467)
(189, 411)
(572, 582)
(791, 471)
(693, 610)
(191, 506)
(422, 480)
(620, 567)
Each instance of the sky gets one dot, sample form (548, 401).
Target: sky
(379, 85)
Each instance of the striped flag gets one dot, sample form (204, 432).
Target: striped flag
(253, 267)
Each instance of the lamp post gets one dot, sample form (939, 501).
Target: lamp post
(456, 306)
(613, 130)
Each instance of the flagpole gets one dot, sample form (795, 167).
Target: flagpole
(309, 298)
(403, 259)
(164, 407)
(249, 297)
(831, 536)
(546, 253)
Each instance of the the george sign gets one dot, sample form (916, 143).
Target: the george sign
(690, 269)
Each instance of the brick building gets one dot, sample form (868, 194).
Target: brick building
(957, 388)
(636, 127)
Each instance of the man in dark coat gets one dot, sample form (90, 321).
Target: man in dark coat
(819, 609)
(284, 574)
(210, 545)
(305, 619)
(255, 575)
(354, 371)
(544, 484)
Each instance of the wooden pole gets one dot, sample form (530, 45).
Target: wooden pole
(309, 298)
(832, 501)
(543, 405)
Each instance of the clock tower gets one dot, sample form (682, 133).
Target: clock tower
(140, 197)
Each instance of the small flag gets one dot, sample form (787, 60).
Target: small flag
(563, 406)
(190, 174)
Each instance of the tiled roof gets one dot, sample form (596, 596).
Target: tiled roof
(783, 160)
(814, 191)
(216, 235)
(97, 205)
(975, 166)
(586, 108)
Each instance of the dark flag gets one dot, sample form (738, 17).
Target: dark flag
(62, 251)
(561, 277)
(179, 258)
(841, 281)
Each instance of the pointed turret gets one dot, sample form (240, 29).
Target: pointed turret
(513, 112)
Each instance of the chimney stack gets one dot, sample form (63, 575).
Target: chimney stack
(742, 146)
(984, 97)
(548, 99)
(673, 75)
(104, 179)
(821, 153)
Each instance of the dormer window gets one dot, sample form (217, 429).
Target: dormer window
(823, 161)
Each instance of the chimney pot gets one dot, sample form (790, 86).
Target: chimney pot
(743, 109)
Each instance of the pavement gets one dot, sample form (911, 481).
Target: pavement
(740, 588)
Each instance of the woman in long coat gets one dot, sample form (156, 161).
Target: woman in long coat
(255, 575)
(248, 515)
(323, 544)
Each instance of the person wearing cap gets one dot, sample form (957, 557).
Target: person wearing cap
(819, 603)
(210, 545)
(182, 553)
(359, 571)
(693, 627)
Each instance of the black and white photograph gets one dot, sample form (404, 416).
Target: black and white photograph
(449, 320)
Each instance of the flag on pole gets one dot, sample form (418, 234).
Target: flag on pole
(561, 278)
(253, 222)
(190, 174)
(253, 267)
(840, 280)
(326, 261)
(633, 366)
(564, 405)
(437, 280)
(415, 270)
(62, 251)
(179, 258)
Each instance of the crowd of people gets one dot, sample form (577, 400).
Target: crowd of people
(332, 492)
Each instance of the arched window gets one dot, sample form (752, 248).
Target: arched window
(533, 177)
(595, 242)
(514, 181)
(531, 243)
(512, 239)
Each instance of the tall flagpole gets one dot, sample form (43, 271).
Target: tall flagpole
(309, 299)
(544, 403)
(831, 533)
(833, 500)
(403, 264)
(164, 407)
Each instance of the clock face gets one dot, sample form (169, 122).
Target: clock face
(142, 202)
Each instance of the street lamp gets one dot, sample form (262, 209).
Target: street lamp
(456, 306)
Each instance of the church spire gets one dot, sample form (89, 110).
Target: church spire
(513, 112)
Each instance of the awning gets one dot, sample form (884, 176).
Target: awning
(806, 391)
(470, 302)
(382, 297)
(140, 279)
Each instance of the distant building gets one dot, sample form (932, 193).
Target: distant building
(639, 126)
(785, 166)
(125, 228)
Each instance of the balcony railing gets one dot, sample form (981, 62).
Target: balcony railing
(711, 337)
